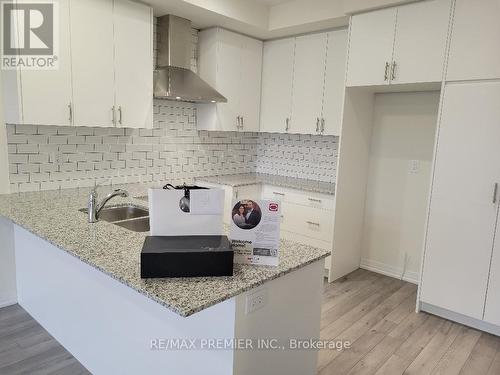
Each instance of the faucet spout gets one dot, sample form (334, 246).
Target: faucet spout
(95, 208)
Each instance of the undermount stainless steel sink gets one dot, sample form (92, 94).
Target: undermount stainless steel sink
(129, 217)
(113, 214)
(136, 225)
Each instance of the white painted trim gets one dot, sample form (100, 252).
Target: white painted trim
(7, 302)
(4, 162)
(388, 270)
(459, 318)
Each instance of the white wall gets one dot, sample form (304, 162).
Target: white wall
(4, 163)
(8, 295)
(404, 126)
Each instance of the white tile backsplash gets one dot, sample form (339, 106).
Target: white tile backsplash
(312, 157)
(51, 157)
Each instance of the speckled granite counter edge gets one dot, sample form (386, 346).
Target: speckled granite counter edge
(260, 179)
(183, 313)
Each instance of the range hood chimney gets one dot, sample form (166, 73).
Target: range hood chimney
(173, 78)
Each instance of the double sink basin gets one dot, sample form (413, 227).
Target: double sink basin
(129, 217)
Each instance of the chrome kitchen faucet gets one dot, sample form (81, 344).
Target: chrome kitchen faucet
(94, 208)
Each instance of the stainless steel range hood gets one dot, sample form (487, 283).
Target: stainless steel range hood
(173, 78)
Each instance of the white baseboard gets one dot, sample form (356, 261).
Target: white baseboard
(459, 318)
(388, 270)
(7, 302)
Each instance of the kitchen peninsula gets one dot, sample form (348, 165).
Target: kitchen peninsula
(81, 281)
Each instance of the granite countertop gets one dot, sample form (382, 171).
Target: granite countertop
(269, 179)
(55, 216)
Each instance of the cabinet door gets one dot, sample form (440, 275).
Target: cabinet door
(277, 76)
(370, 47)
(251, 72)
(462, 212)
(46, 94)
(333, 98)
(474, 52)
(308, 83)
(92, 62)
(228, 79)
(420, 44)
(133, 66)
(492, 308)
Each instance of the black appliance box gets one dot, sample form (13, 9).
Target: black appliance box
(186, 256)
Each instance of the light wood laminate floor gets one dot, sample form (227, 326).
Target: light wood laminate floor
(376, 314)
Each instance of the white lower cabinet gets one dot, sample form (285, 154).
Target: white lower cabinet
(458, 275)
(307, 217)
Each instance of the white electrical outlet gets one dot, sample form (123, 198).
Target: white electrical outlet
(256, 300)
(414, 166)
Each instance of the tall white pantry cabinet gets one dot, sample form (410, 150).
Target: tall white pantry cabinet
(461, 265)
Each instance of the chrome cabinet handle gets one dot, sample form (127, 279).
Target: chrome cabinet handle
(238, 122)
(393, 71)
(278, 193)
(287, 124)
(70, 107)
(120, 114)
(495, 192)
(386, 74)
(242, 122)
(322, 125)
(317, 124)
(113, 112)
(312, 223)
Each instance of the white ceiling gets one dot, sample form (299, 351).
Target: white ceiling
(267, 19)
(272, 2)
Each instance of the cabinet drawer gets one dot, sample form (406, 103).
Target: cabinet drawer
(308, 199)
(299, 238)
(308, 221)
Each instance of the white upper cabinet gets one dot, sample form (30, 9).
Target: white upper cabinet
(308, 83)
(463, 211)
(251, 72)
(303, 84)
(46, 94)
(277, 76)
(227, 79)
(420, 43)
(333, 98)
(405, 44)
(42, 97)
(475, 41)
(232, 64)
(133, 64)
(92, 62)
(370, 47)
(105, 74)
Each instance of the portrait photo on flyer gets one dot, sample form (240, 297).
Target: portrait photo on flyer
(255, 231)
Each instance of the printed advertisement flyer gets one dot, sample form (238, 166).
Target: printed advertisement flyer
(255, 231)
